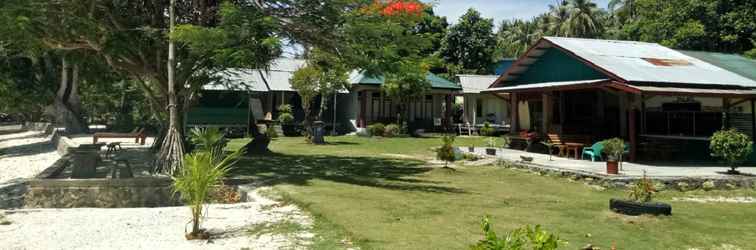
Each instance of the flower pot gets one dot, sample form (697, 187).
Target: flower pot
(612, 167)
(490, 151)
(471, 149)
(639, 208)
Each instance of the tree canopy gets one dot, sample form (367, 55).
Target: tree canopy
(470, 44)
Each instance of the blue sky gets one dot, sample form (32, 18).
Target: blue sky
(497, 9)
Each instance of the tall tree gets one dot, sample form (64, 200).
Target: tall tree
(583, 19)
(470, 43)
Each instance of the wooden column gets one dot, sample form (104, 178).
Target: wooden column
(515, 117)
(753, 120)
(726, 112)
(623, 115)
(448, 111)
(633, 136)
(546, 112)
(363, 108)
(562, 111)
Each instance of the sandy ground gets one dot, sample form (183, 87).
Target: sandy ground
(153, 228)
(25, 154)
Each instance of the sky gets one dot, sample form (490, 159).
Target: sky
(498, 9)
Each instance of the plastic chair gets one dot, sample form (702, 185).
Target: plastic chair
(594, 152)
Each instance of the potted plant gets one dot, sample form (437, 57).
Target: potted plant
(286, 119)
(491, 149)
(640, 200)
(732, 147)
(613, 148)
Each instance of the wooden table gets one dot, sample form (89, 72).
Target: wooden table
(576, 146)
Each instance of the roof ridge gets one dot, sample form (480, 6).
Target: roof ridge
(602, 40)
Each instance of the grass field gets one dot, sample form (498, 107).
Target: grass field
(380, 194)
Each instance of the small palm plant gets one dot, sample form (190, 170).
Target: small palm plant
(446, 151)
(203, 169)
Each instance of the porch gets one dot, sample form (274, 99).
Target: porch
(431, 111)
(659, 123)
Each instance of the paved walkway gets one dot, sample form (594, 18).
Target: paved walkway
(628, 169)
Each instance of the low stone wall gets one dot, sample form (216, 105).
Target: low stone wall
(104, 193)
(38, 126)
(12, 194)
(607, 181)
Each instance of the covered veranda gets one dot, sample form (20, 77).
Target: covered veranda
(659, 123)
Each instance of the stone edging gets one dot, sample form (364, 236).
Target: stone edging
(671, 182)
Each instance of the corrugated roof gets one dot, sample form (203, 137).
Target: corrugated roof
(475, 83)
(634, 62)
(735, 63)
(546, 85)
(360, 78)
(276, 78)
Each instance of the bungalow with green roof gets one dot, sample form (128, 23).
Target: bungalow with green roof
(427, 112)
(665, 103)
(240, 97)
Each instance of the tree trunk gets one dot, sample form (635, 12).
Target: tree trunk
(67, 104)
(172, 149)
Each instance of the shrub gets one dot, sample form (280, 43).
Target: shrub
(446, 151)
(207, 138)
(285, 108)
(731, 146)
(523, 238)
(285, 118)
(470, 157)
(203, 169)
(683, 186)
(643, 190)
(392, 130)
(613, 148)
(376, 129)
(708, 185)
(487, 130)
(491, 143)
(271, 132)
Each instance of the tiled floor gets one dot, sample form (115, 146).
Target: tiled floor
(668, 169)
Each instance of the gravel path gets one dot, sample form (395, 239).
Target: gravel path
(25, 154)
(153, 228)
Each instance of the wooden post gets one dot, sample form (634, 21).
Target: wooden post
(363, 109)
(753, 120)
(726, 112)
(515, 118)
(623, 114)
(546, 113)
(633, 136)
(448, 111)
(562, 111)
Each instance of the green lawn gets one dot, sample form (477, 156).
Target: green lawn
(372, 191)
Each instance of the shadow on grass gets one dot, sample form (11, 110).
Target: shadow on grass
(393, 174)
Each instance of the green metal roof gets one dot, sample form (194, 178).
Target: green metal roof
(435, 81)
(732, 62)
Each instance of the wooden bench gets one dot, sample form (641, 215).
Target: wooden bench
(138, 134)
(560, 141)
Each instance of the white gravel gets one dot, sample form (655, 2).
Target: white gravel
(25, 154)
(719, 199)
(152, 228)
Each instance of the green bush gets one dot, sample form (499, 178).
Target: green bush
(285, 108)
(487, 130)
(446, 151)
(376, 129)
(285, 118)
(470, 157)
(520, 239)
(731, 146)
(392, 130)
(613, 148)
(708, 185)
(643, 190)
(271, 132)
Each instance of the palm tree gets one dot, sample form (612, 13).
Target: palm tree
(624, 9)
(515, 37)
(557, 18)
(583, 19)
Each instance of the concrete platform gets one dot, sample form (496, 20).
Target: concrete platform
(669, 170)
